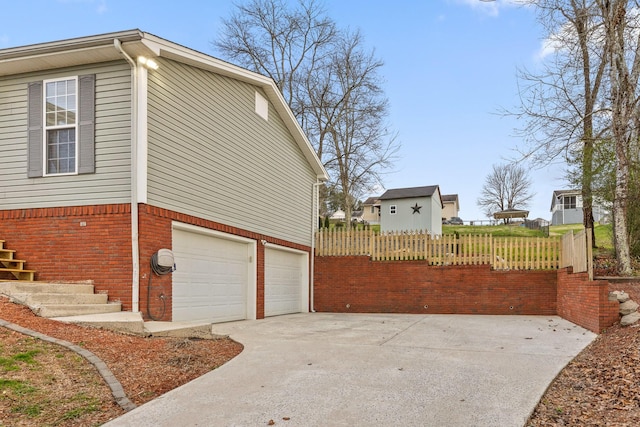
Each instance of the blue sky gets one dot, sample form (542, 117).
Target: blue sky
(450, 66)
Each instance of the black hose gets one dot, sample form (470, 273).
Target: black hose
(164, 303)
(160, 271)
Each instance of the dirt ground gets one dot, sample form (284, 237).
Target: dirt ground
(601, 386)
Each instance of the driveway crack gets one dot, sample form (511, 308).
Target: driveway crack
(401, 331)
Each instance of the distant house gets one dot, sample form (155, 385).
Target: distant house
(566, 208)
(371, 210)
(450, 206)
(415, 208)
(338, 215)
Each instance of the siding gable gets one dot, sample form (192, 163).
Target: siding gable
(210, 155)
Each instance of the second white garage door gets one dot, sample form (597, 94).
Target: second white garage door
(212, 278)
(285, 281)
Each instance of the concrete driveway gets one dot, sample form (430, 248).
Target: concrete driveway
(321, 369)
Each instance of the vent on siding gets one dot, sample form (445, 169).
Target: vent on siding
(262, 106)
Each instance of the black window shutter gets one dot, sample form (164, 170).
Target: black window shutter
(34, 130)
(86, 123)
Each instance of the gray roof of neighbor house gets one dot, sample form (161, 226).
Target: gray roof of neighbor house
(372, 201)
(407, 193)
(101, 48)
(449, 197)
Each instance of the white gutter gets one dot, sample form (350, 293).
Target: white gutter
(315, 207)
(135, 248)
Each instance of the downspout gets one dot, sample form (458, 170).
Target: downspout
(315, 207)
(135, 248)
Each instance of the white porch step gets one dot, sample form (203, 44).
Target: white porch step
(22, 287)
(123, 321)
(133, 323)
(60, 298)
(63, 310)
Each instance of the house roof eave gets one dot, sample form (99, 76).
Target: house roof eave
(100, 48)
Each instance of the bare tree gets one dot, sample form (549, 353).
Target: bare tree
(507, 187)
(330, 81)
(561, 102)
(586, 103)
(348, 119)
(286, 44)
(623, 37)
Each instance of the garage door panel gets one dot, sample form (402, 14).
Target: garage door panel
(211, 279)
(284, 282)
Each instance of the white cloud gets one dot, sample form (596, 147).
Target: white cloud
(489, 7)
(101, 5)
(548, 47)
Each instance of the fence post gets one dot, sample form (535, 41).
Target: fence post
(589, 252)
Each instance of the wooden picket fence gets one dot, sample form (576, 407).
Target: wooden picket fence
(577, 251)
(503, 253)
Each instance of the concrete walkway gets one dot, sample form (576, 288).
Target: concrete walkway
(324, 369)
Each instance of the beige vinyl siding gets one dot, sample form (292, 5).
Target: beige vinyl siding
(110, 183)
(211, 156)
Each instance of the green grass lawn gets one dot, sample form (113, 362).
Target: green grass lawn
(495, 230)
(603, 231)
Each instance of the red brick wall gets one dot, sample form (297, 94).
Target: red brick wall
(585, 303)
(155, 233)
(415, 287)
(56, 245)
(75, 243)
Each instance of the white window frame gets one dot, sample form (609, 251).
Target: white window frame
(393, 209)
(46, 129)
(566, 202)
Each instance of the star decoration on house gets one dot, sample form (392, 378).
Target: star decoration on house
(416, 209)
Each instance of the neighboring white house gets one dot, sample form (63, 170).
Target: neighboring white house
(566, 208)
(415, 208)
(450, 206)
(371, 210)
(338, 215)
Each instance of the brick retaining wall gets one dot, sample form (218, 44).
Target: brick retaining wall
(585, 302)
(416, 287)
(358, 285)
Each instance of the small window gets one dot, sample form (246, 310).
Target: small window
(373, 209)
(569, 202)
(60, 124)
(392, 209)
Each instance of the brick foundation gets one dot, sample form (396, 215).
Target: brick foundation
(94, 243)
(75, 243)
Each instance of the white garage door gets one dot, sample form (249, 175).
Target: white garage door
(211, 280)
(285, 282)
